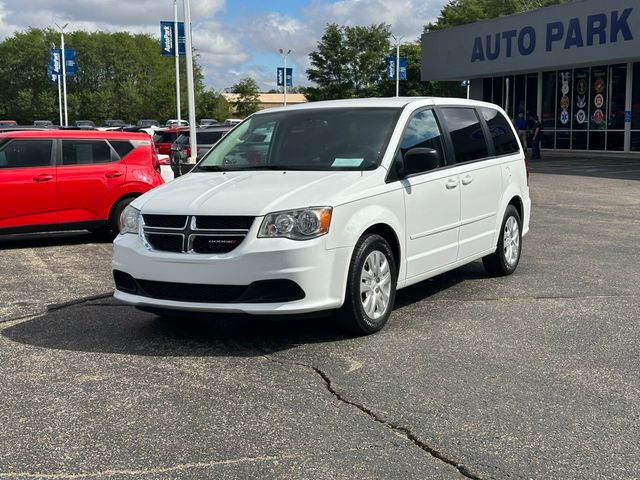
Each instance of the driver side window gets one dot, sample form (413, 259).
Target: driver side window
(423, 132)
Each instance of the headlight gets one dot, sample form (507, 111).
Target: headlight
(129, 220)
(297, 224)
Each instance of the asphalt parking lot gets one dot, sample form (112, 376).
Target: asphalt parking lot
(530, 376)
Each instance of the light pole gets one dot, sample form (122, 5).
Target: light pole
(284, 72)
(64, 72)
(397, 40)
(176, 46)
(190, 87)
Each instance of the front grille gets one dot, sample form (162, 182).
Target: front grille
(263, 291)
(215, 243)
(195, 234)
(224, 222)
(165, 221)
(167, 242)
(191, 292)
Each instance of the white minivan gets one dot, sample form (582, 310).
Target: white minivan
(329, 206)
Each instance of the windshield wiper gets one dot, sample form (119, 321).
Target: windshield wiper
(268, 167)
(210, 168)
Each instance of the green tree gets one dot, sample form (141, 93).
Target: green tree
(212, 105)
(348, 62)
(120, 75)
(248, 100)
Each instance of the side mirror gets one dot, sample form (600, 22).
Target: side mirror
(420, 159)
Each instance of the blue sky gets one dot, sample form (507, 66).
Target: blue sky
(233, 38)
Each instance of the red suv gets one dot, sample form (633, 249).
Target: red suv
(63, 179)
(164, 137)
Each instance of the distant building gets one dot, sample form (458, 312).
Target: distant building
(270, 100)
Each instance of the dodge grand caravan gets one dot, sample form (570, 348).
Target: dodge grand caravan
(333, 206)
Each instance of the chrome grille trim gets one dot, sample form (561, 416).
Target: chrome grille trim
(190, 232)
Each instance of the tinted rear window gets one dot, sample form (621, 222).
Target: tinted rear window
(504, 141)
(208, 138)
(85, 152)
(164, 137)
(467, 135)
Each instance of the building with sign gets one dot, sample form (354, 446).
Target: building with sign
(576, 65)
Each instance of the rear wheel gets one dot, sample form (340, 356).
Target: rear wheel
(371, 286)
(507, 255)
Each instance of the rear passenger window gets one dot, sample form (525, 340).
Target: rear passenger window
(122, 147)
(468, 138)
(504, 141)
(25, 153)
(85, 152)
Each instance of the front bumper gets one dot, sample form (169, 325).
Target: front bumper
(319, 272)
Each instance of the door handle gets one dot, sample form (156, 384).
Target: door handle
(467, 179)
(113, 174)
(451, 183)
(44, 177)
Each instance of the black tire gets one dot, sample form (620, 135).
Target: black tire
(506, 257)
(352, 314)
(113, 227)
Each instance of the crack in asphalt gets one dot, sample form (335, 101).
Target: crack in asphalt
(398, 429)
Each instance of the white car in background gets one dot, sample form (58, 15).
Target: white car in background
(165, 168)
(340, 205)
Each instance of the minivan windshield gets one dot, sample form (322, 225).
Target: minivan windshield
(311, 139)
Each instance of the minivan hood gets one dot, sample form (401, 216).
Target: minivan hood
(254, 193)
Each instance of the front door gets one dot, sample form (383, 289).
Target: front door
(432, 201)
(27, 183)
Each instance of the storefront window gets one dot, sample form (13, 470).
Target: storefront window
(549, 100)
(520, 95)
(563, 105)
(582, 108)
(598, 104)
(635, 99)
(596, 140)
(617, 91)
(487, 93)
(580, 100)
(497, 90)
(532, 94)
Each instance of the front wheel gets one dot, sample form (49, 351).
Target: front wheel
(113, 227)
(371, 286)
(507, 255)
